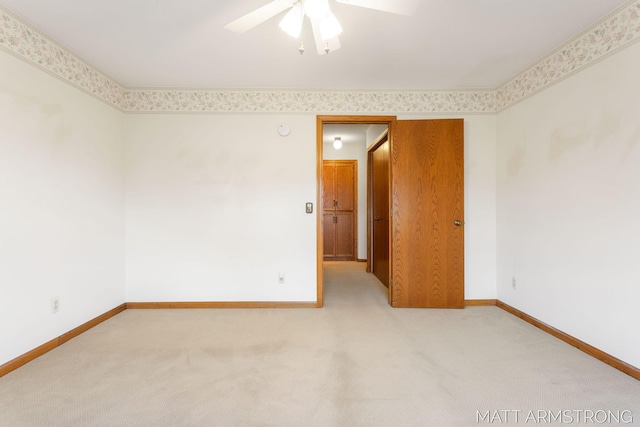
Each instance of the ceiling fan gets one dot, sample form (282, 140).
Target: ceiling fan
(324, 23)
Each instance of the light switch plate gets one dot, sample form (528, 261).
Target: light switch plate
(309, 207)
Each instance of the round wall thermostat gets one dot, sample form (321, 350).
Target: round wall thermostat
(284, 130)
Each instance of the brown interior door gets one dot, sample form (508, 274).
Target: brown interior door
(380, 212)
(427, 162)
(339, 210)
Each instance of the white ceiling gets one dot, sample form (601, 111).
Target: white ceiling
(447, 44)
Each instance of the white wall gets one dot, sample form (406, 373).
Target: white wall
(373, 134)
(569, 205)
(62, 207)
(216, 208)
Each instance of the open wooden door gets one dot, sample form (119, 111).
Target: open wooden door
(379, 160)
(426, 244)
(427, 238)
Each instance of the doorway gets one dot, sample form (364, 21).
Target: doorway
(329, 127)
(426, 212)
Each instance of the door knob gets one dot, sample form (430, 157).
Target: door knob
(457, 223)
(376, 218)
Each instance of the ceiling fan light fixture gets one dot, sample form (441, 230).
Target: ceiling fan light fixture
(316, 9)
(337, 142)
(325, 25)
(330, 27)
(292, 21)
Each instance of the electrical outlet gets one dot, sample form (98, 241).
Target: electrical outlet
(513, 282)
(281, 278)
(55, 305)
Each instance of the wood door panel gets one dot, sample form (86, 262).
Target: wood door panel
(428, 190)
(344, 186)
(344, 235)
(328, 235)
(328, 188)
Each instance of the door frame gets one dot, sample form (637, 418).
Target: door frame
(320, 122)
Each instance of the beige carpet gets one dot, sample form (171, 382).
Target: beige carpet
(356, 362)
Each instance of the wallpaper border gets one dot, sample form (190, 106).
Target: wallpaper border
(24, 41)
(317, 102)
(612, 33)
(618, 30)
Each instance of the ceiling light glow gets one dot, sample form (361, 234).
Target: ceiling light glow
(316, 9)
(292, 21)
(330, 27)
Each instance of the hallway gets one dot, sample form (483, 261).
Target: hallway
(347, 283)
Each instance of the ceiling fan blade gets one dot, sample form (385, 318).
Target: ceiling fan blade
(258, 16)
(322, 45)
(401, 7)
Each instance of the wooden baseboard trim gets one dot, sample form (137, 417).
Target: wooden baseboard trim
(50, 345)
(206, 304)
(580, 345)
(361, 260)
(479, 302)
(19, 361)
(90, 324)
